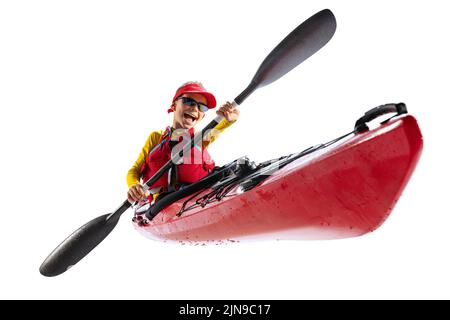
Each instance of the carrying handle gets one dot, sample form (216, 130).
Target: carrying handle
(399, 108)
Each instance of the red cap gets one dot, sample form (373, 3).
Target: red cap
(195, 88)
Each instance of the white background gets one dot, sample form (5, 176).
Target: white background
(82, 83)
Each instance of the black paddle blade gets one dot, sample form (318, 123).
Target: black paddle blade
(298, 46)
(78, 245)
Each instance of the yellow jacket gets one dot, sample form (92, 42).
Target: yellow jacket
(134, 176)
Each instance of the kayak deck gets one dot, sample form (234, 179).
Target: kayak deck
(344, 190)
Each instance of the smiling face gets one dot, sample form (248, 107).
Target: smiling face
(186, 117)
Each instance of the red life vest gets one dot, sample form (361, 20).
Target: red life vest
(196, 164)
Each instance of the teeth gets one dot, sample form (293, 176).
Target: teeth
(191, 115)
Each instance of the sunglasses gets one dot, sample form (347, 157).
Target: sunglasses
(192, 103)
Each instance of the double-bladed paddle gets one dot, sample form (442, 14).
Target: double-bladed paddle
(299, 45)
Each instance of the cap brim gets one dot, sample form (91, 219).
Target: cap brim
(210, 99)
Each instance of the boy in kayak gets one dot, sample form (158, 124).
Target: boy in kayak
(189, 105)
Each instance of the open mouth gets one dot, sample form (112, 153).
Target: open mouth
(189, 117)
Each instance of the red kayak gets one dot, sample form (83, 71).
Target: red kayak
(344, 188)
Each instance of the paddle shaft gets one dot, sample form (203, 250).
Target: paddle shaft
(176, 158)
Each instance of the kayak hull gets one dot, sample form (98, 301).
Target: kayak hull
(345, 190)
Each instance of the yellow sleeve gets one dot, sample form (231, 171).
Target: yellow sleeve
(212, 135)
(134, 176)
